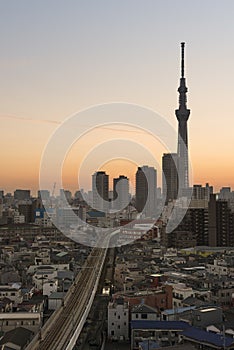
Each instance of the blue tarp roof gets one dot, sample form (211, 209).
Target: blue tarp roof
(178, 310)
(176, 325)
(96, 214)
(207, 337)
(149, 345)
(187, 331)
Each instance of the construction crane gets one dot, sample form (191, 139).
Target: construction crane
(52, 195)
(53, 190)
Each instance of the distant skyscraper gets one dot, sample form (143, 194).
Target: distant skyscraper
(170, 176)
(202, 193)
(100, 189)
(22, 194)
(146, 187)
(120, 192)
(43, 194)
(182, 115)
(225, 193)
(26, 209)
(221, 223)
(65, 195)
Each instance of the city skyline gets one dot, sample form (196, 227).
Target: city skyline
(82, 56)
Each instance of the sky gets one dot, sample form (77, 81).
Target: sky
(61, 57)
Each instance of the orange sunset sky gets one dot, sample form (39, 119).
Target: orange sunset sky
(59, 58)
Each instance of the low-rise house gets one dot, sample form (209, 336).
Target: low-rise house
(13, 292)
(33, 305)
(164, 333)
(176, 314)
(207, 340)
(55, 300)
(221, 267)
(118, 320)
(203, 316)
(160, 298)
(144, 312)
(42, 257)
(57, 267)
(16, 339)
(6, 305)
(49, 287)
(181, 292)
(28, 320)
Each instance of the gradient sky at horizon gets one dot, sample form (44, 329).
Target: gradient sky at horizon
(59, 57)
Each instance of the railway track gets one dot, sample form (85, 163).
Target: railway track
(57, 333)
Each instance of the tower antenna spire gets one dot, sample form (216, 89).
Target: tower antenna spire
(182, 115)
(182, 59)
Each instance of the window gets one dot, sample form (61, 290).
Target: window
(144, 316)
(136, 315)
(112, 323)
(118, 327)
(112, 332)
(125, 323)
(119, 317)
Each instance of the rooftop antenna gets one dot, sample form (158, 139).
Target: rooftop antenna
(182, 59)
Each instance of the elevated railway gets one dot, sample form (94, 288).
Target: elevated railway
(62, 330)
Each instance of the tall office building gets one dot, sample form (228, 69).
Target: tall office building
(43, 194)
(195, 223)
(65, 195)
(202, 193)
(22, 194)
(120, 192)
(182, 115)
(146, 189)
(26, 210)
(100, 189)
(225, 193)
(170, 176)
(221, 223)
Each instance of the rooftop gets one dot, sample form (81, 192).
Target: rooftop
(19, 315)
(166, 325)
(204, 337)
(19, 336)
(142, 308)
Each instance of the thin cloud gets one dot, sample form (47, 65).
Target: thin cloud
(48, 121)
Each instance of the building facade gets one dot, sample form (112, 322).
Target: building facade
(120, 192)
(146, 190)
(170, 176)
(100, 189)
